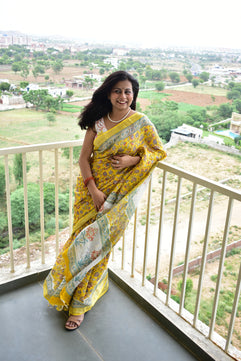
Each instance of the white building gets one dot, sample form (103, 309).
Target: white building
(120, 51)
(188, 131)
(113, 61)
(235, 125)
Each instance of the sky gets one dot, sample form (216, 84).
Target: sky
(150, 23)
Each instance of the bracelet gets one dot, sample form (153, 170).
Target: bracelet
(86, 181)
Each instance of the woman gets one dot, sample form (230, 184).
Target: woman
(120, 149)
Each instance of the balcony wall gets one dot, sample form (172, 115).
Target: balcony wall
(176, 222)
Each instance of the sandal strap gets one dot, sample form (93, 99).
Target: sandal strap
(75, 320)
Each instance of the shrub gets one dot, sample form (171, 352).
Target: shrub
(3, 222)
(189, 286)
(160, 86)
(49, 197)
(17, 203)
(76, 153)
(63, 202)
(2, 180)
(50, 224)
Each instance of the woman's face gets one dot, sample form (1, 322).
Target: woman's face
(121, 96)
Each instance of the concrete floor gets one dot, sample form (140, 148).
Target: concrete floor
(116, 329)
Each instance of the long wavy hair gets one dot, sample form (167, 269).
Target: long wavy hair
(100, 104)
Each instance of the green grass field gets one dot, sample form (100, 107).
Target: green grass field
(32, 127)
(152, 95)
(71, 108)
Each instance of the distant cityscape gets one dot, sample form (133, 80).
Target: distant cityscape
(35, 42)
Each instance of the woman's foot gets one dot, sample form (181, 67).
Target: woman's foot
(74, 322)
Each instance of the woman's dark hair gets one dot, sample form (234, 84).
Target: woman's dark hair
(100, 105)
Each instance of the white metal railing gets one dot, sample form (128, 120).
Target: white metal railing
(214, 189)
(154, 235)
(26, 150)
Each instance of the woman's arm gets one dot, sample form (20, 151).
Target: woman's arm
(84, 163)
(124, 161)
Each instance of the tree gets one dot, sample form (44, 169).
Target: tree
(189, 77)
(160, 86)
(204, 76)
(237, 140)
(35, 97)
(16, 67)
(24, 84)
(165, 122)
(237, 105)
(4, 86)
(18, 168)
(69, 93)
(41, 99)
(233, 94)
(38, 69)
(225, 110)
(17, 203)
(2, 180)
(231, 85)
(88, 83)
(175, 78)
(51, 117)
(24, 70)
(57, 67)
(195, 83)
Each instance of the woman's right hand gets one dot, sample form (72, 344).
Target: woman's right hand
(98, 198)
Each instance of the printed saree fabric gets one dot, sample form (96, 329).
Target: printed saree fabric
(79, 277)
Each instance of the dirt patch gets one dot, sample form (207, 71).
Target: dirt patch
(195, 98)
(179, 96)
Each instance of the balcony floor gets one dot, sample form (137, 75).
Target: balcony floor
(116, 329)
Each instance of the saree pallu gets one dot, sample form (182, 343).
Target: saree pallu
(79, 277)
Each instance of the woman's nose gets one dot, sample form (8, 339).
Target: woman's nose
(123, 94)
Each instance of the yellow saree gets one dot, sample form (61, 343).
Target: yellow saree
(79, 277)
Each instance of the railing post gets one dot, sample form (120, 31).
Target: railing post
(173, 246)
(188, 245)
(234, 311)
(220, 269)
(148, 212)
(41, 205)
(70, 190)
(26, 208)
(123, 252)
(134, 245)
(161, 221)
(204, 257)
(57, 201)
(10, 227)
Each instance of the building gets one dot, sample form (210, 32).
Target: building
(188, 131)
(14, 39)
(196, 69)
(235, 125)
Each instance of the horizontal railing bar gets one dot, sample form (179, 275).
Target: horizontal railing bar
(217, 187)
(37, 147)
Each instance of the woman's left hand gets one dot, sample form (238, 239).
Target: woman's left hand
(124, 161)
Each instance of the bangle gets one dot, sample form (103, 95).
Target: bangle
(86, 181)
